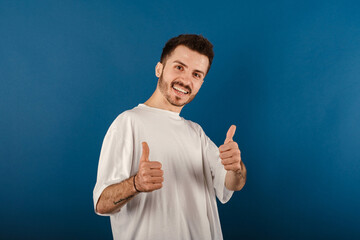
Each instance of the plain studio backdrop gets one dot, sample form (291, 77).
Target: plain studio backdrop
(285, 72)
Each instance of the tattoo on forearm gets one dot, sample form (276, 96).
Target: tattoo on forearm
(124, 199)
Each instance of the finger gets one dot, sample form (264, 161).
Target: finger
(224, 148)
(155, 180)
(226, 154)
(231, 153)
(228, 146)
(154, 173)
(155, 186)
(229, 161)
(230, 134)
(151, 180)
(148, 166)
(234, 167)
(145, 152)
(155, 165)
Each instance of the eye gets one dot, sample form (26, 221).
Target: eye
(179, 67)
(197, 75)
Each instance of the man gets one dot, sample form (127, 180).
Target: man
(158, 173)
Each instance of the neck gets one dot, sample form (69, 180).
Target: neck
(158, 101)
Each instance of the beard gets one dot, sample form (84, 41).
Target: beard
(176, 101)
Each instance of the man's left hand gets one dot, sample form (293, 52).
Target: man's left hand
(230, 153)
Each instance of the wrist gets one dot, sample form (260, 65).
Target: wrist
(242, 171)
(136, 189)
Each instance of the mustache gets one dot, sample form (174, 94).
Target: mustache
(182, 85)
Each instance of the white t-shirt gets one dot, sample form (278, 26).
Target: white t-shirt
(185, 207)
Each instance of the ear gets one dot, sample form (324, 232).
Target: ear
(158, 69)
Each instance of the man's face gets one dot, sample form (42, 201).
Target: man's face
(182, 75)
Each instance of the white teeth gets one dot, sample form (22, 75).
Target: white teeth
(180, 90)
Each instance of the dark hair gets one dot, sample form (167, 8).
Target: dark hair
(195, 42)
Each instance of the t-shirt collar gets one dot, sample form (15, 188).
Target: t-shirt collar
(159, 110)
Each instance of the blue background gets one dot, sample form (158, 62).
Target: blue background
(285, 72)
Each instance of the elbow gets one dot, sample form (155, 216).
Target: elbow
(235, 188)
(238, 188)
(241, 185)
(100, 208)
(103, 209)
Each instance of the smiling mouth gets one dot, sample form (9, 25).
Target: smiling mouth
(180, 90)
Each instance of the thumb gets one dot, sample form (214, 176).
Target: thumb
(145, 152)
(230, 134)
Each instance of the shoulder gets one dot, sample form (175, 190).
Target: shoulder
(123, 126)
(207, 142)
(195, 127)
(125, 119)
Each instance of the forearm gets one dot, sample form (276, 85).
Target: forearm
(115, 196)
(236, 181)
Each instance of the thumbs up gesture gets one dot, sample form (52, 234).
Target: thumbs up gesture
(230, 153)
(149, 176)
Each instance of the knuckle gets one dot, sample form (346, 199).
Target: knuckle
(155, 165)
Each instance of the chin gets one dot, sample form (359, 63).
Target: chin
(180, 102)
(177, 104)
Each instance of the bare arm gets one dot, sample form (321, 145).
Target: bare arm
(115, 196)
(231, 159)
(148, 179)
(235, 181)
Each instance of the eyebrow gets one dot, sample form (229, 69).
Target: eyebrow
(181, 63)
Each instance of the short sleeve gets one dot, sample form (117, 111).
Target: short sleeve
(115, 157)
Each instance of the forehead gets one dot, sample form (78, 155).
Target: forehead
(189, 57)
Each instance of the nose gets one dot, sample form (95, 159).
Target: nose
(187, 78)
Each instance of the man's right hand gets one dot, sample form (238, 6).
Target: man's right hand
(150, 175)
